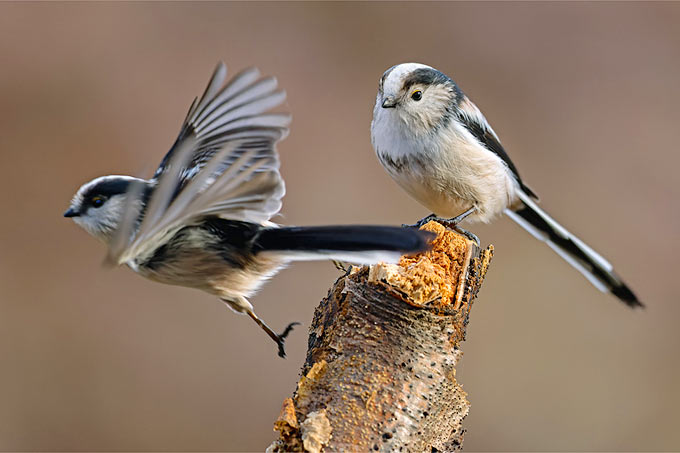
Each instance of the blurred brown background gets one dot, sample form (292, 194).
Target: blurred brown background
(584, 96)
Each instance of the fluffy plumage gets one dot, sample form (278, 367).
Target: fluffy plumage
(436, 144)
(203, 220)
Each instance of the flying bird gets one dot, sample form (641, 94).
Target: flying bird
(203, 220)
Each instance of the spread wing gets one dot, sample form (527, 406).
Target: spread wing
(227, 112)
(224, 163)
(473, 120)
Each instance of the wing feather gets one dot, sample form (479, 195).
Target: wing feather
(234, 111)
(250, 109)
(259, 90)
(475, 122)
(211, 90)
(239, 82)
(224, 163)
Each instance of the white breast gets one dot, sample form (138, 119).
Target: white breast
(448, 171)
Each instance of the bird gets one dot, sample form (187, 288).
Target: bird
(203, 219)
(438, 146)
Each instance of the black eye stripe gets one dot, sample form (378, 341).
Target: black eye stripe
(427, 77)
(97, 201)
(108, 188)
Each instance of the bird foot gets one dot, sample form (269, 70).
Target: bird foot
(423, 221)
(281, 338)
(471, 236)
(341, 266)
(451, 224)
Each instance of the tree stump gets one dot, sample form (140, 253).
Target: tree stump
(380, 372)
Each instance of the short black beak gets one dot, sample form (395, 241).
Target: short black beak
(70, 212)
(389, 103)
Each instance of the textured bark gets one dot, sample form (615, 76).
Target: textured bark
(383, 346)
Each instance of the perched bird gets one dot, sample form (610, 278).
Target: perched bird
(437, 145)
(203, 220)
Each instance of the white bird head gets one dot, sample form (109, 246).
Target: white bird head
(98, 206)
(415, 95)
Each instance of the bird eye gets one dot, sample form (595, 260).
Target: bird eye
(97, 202)
(417, 95)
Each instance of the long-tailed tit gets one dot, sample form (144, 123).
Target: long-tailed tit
(203, 220)
(437, 145)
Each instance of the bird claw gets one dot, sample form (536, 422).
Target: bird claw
(339, 265)
(281, 338)
(471, 236)
(451, 224)
(422, 221)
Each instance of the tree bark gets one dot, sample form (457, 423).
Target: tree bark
(380, 372)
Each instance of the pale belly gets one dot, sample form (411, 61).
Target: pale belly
(442, 201)
(448, 173)
(448, 192)
(207, 271)
(439, 200)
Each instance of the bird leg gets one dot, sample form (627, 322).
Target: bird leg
(280, 338)
(422, 221)
(241, 305)
(451, 224)
(339, 265)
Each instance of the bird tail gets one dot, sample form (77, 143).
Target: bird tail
(363, 244)
(586, 260)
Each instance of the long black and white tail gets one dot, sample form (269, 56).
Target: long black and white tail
(361, 244)
(586, 260)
